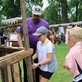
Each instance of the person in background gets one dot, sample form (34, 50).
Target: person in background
(33, 23)
(2, 36)
(54, 35)
(59, 40)
(62, 37)
(74, 58)
(67, 41)
(46, 55)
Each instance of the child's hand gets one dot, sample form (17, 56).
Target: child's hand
(35, 65)
(65, 66)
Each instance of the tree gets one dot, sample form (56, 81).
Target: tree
(75, 9)
(0, 13)
(56, 12)
(64, 10)
(52, 14)
(11, 8)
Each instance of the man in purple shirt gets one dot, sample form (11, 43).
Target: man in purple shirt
(33, 24)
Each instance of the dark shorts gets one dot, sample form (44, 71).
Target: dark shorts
(45, 74)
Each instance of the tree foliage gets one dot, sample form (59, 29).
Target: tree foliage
(56, 11)
(75, 9)
(11, 8)
(52, 14)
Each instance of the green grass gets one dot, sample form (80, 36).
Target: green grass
(61, 74)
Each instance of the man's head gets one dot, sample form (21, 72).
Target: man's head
(36, 13)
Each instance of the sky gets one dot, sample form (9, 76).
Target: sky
(45, 4)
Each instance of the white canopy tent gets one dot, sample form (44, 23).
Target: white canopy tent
(19, 19)
(12, 20)
(62, 26)
(66, 24)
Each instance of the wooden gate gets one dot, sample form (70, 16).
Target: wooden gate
(10, 60)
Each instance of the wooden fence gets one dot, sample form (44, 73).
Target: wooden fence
(9, 63)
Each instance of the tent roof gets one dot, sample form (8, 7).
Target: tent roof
(19, 20)
(12, 20)
(66, 24)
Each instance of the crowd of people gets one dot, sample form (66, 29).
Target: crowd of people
(42, 40)
(58, 38)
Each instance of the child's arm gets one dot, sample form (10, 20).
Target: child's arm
(48, 60)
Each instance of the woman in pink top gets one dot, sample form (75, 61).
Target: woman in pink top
(74, 58)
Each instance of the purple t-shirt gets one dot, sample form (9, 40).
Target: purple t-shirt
(32, 27)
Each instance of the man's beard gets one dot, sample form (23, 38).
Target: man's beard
(36, 21)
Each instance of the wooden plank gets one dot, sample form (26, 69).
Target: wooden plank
(10, 48)
(26, 41)
(4, 74)
(14, 57)
(9, 74)
(16, 73)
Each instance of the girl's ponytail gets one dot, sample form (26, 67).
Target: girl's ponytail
(50, 36)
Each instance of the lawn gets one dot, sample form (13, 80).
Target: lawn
(61, 74)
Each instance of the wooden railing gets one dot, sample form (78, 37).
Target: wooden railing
(9, 63)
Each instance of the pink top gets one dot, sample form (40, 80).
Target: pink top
(75, 53)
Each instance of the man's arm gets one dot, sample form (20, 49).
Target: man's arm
(20, 43)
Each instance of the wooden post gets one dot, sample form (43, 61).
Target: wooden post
(26, 41)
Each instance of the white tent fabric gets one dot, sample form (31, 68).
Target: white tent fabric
(66, 24)
(12, 20)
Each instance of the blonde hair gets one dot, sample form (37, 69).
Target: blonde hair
(76, 31)
(50, 36)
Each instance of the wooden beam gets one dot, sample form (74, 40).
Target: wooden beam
(8, 50)
(9, 74)
(14, 57)
(16, 72)
(26, 41)
(11, 48)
